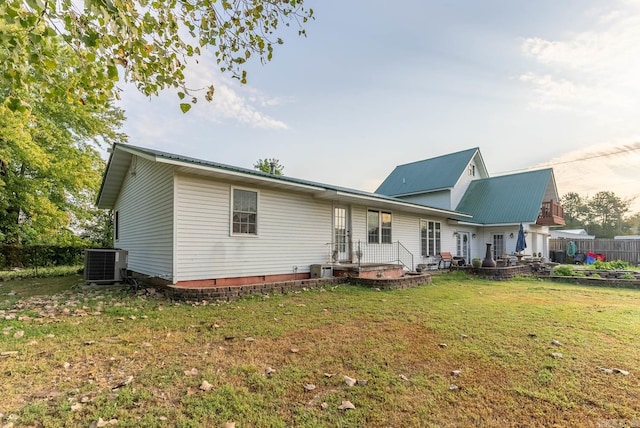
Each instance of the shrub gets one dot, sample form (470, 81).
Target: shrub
(563, 271)
(627, 275)
(612, 265)
(45, 272)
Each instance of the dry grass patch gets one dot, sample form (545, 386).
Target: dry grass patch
(96, 353)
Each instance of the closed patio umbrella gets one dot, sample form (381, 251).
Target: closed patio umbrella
(521, 243)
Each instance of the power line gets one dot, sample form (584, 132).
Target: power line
(627, 150)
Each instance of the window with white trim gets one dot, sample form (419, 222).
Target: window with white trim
(430, 238)
(498, 246)
(378, 227)
(244, 216)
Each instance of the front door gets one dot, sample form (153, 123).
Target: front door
(341, 236)
(463, 246)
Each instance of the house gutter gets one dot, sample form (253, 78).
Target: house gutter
(402, 204)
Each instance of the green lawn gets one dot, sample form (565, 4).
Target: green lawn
(98, 352)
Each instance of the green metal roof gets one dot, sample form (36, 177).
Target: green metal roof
(514, 198)
(441, 172)
(121, 157)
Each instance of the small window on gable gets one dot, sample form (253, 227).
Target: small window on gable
(244, 216)
(472, 170)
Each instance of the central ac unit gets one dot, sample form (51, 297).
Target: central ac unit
(104, 265)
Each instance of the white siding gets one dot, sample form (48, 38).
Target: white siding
(293, 230)
(405, 228)
(145, 211)
(463, 184)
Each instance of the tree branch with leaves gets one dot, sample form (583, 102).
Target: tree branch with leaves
(148, 42)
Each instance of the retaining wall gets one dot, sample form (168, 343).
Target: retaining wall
(235, 292)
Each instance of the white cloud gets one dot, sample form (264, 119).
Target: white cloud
(231, 101)
(594, 72)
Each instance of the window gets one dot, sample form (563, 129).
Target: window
(116, 225)
(340, 229)
(498, 246)
(245, 212)
(378, 227)
(430, 238)
(472, 170)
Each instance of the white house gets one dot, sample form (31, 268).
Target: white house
(199, 223)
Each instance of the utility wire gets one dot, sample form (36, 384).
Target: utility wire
(627, 150)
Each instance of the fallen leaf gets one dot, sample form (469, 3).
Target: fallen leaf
(76, 406)
(555, 342)
(102, 423)
(622, 372)
(346, 405)
(268, 371)
(349, 380)
(192, 372)
(453, 387)
(324, 405)
(206, 386)
(125, 382)
(18, 334)
(309, 387)
(442, 345)
(294, 350)
(557, 355)
(455, 373)
(329, 374)
(403, 377)
(249, 339)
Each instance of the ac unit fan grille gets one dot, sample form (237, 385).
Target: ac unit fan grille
(100, 265)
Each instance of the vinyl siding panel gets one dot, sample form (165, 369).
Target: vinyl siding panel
(145, 211)
(405, 228)
(293, 230)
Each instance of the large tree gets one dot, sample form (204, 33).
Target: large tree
(50, 129)
(603, 215)
(607, 214)
(576, 210)
(148, 42)
(268, 165)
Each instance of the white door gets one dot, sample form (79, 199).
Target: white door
(341, 235)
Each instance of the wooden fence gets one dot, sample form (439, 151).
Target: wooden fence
(627, 250)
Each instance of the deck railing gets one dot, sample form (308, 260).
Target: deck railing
(551, 214)
(366, 253)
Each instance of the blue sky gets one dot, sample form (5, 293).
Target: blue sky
(377, 84)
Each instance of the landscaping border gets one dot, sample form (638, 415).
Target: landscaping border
(229, 293)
